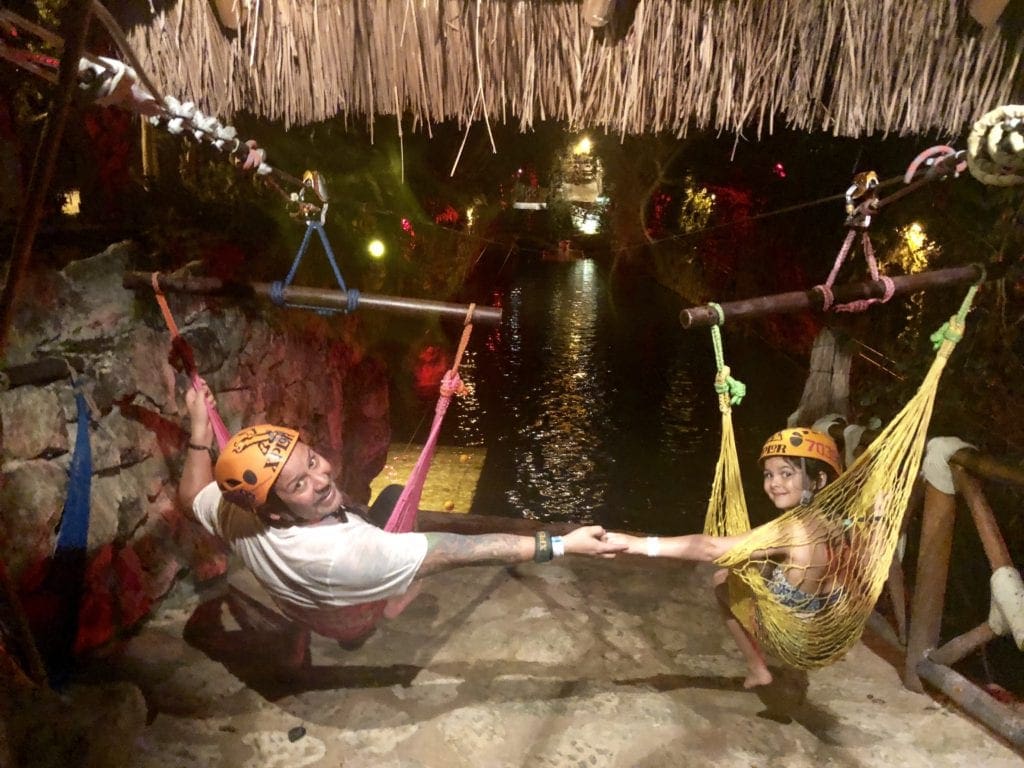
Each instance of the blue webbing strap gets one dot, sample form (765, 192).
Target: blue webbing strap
(277, 289)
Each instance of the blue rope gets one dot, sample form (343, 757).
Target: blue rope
(278, 288)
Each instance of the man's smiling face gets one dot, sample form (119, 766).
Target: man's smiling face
(306, 485)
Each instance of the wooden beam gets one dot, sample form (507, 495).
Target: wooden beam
(314, 298)
(813, 300)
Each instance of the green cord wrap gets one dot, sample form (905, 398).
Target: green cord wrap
(953, 329)
(724, 383)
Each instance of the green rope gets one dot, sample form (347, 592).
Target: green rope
(952, 329)
(724, 383)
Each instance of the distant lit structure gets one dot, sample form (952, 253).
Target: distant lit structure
(72, 203)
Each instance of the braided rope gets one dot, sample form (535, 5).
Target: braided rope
(995, 147)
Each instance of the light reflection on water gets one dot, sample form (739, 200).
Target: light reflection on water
(595, 405)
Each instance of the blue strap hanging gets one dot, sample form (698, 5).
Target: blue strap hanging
(313, 184)
(65, 576)
(74, 524)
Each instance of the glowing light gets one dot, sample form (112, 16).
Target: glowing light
(915, 250)
(587, 222)
(779, 170)
(915, 236)
(582, 147)
(72, 203)
(469, 216)
(375, 249)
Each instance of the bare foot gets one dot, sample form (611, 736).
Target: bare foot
(395, 605)
(757, 677)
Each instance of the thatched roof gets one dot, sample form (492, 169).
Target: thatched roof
(849, 67)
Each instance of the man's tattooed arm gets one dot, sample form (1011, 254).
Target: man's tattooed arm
(450, 550)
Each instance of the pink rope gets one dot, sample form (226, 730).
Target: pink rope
(869, 255)
(939, 152)
(403, 517)
(219, 430)
(890, 288)
(826, 288)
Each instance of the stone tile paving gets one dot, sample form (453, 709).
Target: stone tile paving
(573, 663)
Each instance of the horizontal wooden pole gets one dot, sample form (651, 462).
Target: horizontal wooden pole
(314, 298)
(39, 372)
(962, 646)
(802, 301)
(987, 467)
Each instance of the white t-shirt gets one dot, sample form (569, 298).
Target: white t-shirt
(309, 570)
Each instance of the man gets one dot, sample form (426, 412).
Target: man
(273, 499)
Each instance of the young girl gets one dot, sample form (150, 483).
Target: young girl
(797, 463)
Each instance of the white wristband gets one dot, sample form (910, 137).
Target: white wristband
(557, 546)
(653, 546)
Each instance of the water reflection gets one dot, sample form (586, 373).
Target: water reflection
(594, 405)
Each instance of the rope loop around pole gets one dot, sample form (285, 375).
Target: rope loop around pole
(277, 293)
(352, 302)
(730, 391)
(716, 335)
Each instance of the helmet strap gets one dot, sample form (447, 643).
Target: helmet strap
(808, 493)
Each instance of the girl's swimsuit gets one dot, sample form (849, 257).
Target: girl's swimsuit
(796, 598)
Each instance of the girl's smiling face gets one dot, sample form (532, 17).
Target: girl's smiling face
(784, 482)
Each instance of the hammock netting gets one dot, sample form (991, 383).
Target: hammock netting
(841, 543)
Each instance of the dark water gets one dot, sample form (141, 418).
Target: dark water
(594, 404)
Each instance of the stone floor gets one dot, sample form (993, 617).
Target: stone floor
(572, 663)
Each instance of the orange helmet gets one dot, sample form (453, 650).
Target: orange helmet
(803, 443)
(251, 462)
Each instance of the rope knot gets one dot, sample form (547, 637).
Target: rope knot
(451, 384)
(725, 384)
(952, 330)
(737, 391)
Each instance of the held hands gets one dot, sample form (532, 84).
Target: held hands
(631, 545)
(592, 540)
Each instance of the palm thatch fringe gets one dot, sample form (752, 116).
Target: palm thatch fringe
(850, 67)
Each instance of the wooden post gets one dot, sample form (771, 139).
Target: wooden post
(896, 583)
(984, 519)
(930, 585)
(77, 15)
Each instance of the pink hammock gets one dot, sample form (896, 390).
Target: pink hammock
(355, 622)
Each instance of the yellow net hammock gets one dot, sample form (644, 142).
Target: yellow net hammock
(850, 528)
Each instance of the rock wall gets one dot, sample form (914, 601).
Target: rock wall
(285, 366)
